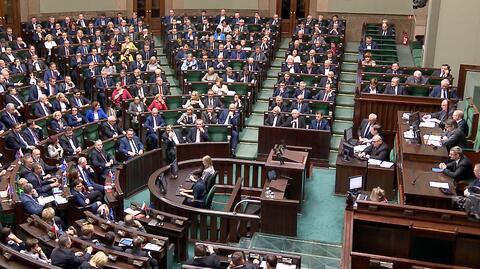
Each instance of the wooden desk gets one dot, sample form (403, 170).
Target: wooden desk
(198, 150)
(381, 177)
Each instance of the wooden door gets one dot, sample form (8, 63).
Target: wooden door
(290, 11)
(10, 15)
(151, 11)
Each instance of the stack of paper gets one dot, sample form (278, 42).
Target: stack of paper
(386, 164)
(433, 140)
(428, 124)
(409, 134)
(130, 211)
(152, 247)
(432, 120)
(59, 199)
(374, 161)
(45, 200)
(359, 148)
(435, 184)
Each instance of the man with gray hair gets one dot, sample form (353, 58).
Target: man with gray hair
(85, 171)
(462, 124)
(295, 121)
(29, 200)
(459, 167)
(274, 118)
(10, 117)
(394, 87)
(377, 150)
(416, 79)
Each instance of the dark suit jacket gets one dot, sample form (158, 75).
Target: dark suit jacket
(12, 141)
(192, 135)
(66, 145)
(28, 136)
(390, 71)
(207, 120)
(83, 100)
(296, 68)
(42, 186)
(55, 125)
(361, 130)
(8, 121)
(462, 171)
(9, 99)
(301, 122)
(216, 102)
(462, 125)
(321, 94)
(98, 161)
(379, 153)
(73, 120)
(39, 112)
(411, 80)
(437, 92)
(154, 89)
(307, 94)
(304, 110)
(65, 258)
(108, 131)
(442, 115)
(455, 138)
(124, 145)
(270, 118)
(391, 90)
(149, 123)
(211, 261)
(31, 205)
(287, 92)
(323, 125)
(33, 95)
(170, 144)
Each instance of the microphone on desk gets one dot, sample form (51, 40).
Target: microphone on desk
(416, 178)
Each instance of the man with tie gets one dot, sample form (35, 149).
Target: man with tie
(303, 91)
(159, 87)
(33, 133)
(10, 116)
(15, 99)
(137, 64)
(395, 70)
(198, 133)
(171, 138)
(394, 88)
(153, 123)
(42, 108)
(453, 136)
(417, 79)
(29, 200)
(94, 57)
(444, 72)
(102, 84)
(441, 115)
(78, 100)
(231, 117)
(300, 106)
(35, 65)
(443, 91)
(365, 126)
(75, 119)
(212, 100)
(319, 123)
(52, 73)
(101, 160)
(459, 167)
(385, 30)
(46, 169)
(326, 95)
(70, 143)
(251, 65)
(15, 140)
(209, 116)
(86, 172)
(377, 150)
(111, 129)
(42, 184)
(295, 121)
(275, 118)
(130, 145)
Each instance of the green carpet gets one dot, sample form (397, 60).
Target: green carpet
(256, 119)
(322, 218)
(345, 100)
(345, 87)
(249, 134)
(343, 113)
(247, 151)
(340, 125)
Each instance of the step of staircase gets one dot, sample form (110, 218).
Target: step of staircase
(269, 83)
(265, 94)
(349, 66)
(350, 57)
(351, 47)
(260, 106)
(255, 120)
(332, 158)
(346, 87)
(335, 141)
(345, 99)
(249, 134)
(273, 72)
(247, 151)
(340, 125)
(343, 113)
(348, 77)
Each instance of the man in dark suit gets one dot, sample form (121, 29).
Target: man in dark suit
(111, 129)
(444, 72)
(443, 91)
(441, 115)
(238, 261)
(303, 91)
(65, 51)
(238, 53)
(326, 95)
(209, 116)
(42, 184)
(201, 259)
(416, 79)
(42, 108)
(231, 117)
(69, 142)
(46, 169)
(295, 121)
(377, 150)
(319, 123)
(212, 100)
(171, 138)
(204, 63)
(385, 30)
(29, 201)
(310, 69)
(394, 88)
(130, 145)
(300, 105)
(36, 65)
(221, 17)
(64, 257)
(159, 87)
(10, 116)
(459, 167)
(78, 100)
(369, 44)
(282, 91)
(462, 124)
(274, 118)
(101, 160)
(16, 141)
(198, 133)
(36, 91)
(18, 68)
(395, 70)
(290, 66)
(453, 136)
(365, 126)
(474, 186)
(33, 133)
(102, 84)
(13, 98)
(153, 122)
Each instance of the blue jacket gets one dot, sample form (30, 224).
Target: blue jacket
(73, 122)
(125, 147)
(437, 92)
(323, 125)
(149, 123)
(31, 205)
(101, 115)
(233, 121)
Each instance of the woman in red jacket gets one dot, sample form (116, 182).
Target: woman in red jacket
(120, 94)
(158, 103)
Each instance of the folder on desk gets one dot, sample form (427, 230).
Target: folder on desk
(435, 184)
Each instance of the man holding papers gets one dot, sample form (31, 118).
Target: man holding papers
(459, 167)
(377, 150)
(441, 115)
(453, 136)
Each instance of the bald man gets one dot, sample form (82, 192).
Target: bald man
(377, 150)
(441, 115)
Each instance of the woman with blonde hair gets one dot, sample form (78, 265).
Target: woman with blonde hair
(188, 117)
(194, 101)
(378, 195)
(96, 261)
(49, 45)
(210, 76)
(153, 64)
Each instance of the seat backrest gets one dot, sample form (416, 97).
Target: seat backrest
(91, 132)
(211, 181)
(218, 133)
(209, 199)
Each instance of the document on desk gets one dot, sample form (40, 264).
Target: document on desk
(432, 120)
(285, 266)
(431, 137)
(436, 184)
(374, 161)
(408, 134)
(59, 199)
(131, 211)
(427, 124)
(386, 164)
(45, 200)
(152, 247)
(359, 148)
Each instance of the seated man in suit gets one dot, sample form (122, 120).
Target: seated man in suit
(29, 200)
(209, 116)
(153, 122)
(474, 186)
(444, 72)
(231, 117)
(282, 91)
(83, 198)
(374, 130)
(329, 79)
(295, 121)
(319, 123)
(86, 172)
(15, 140)
(369, 44)
(10, 117)
(385, 30)
(212, 100)
(131, 223)
(130, 145)
(198, 133)
(395, 70)
(75, 119)
(46, 169)
(365, 126)
(204, 257)
(326, 68)
(137, 250)
(238, 261)
(394, 88)
(462, 124)
(43, 107)
(101, 160)
(111, 129)
(69, 142)
(459, 167)
(444, 91)
(275, 118)
(327, 95)
(63, 256)
(78, 100)
(441, 115)
(42, 184)
(171, 138)
(453, 136)
(109, 241)
(300, 105)
(377, 150)
(416, 79)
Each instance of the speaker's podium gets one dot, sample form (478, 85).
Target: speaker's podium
(282, 194)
